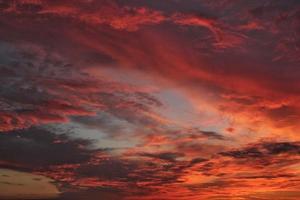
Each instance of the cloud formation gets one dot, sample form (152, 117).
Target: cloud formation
(152, 100)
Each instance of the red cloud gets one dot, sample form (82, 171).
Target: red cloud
(229, 60)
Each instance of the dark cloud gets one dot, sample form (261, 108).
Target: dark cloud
(282, 147)
(265, 149)
(197, 133)
(251, 152)
(211, 134)
(74, 162)
(110, 169)
(45, 93)
(38, 148)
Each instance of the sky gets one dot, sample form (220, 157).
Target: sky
(149, 99)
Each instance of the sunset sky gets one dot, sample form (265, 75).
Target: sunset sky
(150, 99)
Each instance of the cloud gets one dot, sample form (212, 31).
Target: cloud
(39, 148)
(265, 149)
(49, 97)
(167, 156)
(76, 163)
(203, 96)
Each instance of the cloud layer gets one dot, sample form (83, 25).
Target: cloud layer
(152, 100)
